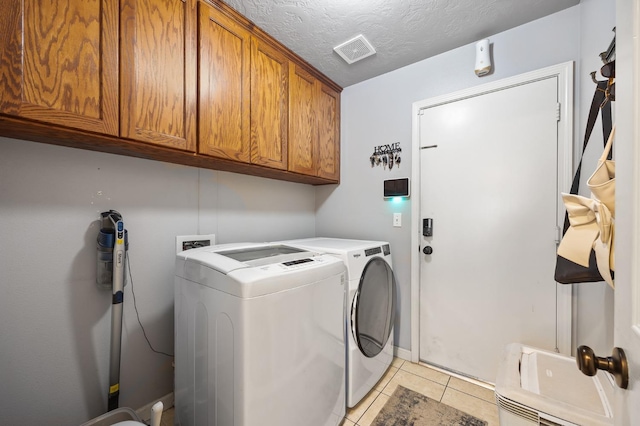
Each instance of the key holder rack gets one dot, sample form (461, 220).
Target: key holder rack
(386, 156)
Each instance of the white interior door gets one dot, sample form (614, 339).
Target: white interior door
(627, 156)
(489, 181)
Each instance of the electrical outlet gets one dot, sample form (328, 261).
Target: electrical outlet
(397, 220)
(187, 242)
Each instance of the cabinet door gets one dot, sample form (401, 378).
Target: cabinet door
(328, 133)
(59, 62)
(269, 105)
(224, 48)
(158, 63)
(303, 129)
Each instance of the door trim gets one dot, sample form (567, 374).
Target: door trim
(564, 74)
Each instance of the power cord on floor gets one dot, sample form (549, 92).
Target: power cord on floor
(138, 314)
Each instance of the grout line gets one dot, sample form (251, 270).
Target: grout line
(476, 382)
(446, 386)
(474, 396)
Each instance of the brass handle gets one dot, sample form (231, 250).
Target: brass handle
(616, 364)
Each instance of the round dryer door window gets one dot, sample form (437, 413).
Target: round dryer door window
(374, 307)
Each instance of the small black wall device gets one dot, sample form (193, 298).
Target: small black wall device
(396, 188)
(427, 227)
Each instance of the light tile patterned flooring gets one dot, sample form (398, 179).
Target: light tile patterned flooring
(461, 394)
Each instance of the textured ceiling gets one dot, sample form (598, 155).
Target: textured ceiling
(401, 31)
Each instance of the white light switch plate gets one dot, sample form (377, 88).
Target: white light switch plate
(397, 220)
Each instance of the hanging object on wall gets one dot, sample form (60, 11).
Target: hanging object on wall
(483, 58)
(112, 234)
(387, 156)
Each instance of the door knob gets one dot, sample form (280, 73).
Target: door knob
(427, 250)
(616, 364)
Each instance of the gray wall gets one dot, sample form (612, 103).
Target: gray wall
(378, 111)
(54, 321)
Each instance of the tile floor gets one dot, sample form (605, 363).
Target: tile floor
(461, 394)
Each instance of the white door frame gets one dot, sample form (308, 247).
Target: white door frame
(627, 155)
(564, 73)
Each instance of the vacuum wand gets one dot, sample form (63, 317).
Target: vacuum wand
(114, 219)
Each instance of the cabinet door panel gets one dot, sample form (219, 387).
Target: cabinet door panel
(328, 133)
(59, 62)
(158, 72)
(269, 105)
(224, 86)
(303, 133)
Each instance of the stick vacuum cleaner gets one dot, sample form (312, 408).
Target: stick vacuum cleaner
(112, 246)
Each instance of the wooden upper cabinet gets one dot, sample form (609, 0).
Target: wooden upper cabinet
(328, 133)
(158, 72)
(59, 62)
(269, 105)
(224, 48)
(314, 126)
(303, 133)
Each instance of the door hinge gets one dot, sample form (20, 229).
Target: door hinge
(558, 235)
(558, 111)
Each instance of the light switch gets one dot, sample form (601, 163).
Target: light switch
(397, 220)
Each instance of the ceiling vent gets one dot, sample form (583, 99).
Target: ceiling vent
(355, 49)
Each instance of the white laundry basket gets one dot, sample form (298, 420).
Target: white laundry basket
(112, 417)
(538, 387)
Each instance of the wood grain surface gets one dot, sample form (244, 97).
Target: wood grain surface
(158, 72)
(59, 62)
(224, 86)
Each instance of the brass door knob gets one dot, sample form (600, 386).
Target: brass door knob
(616, 364)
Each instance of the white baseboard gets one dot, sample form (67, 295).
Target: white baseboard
(144, 412)
(402, 353)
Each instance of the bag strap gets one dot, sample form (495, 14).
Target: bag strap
(607, 148)
(598, 98)
(605, 111)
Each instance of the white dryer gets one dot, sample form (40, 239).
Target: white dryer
(259, 336)
(371, 302)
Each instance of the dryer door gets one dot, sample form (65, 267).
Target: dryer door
(374, 307)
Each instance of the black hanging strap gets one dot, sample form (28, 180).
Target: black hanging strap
(596, 105)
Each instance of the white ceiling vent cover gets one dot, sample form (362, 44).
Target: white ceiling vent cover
(355, 49)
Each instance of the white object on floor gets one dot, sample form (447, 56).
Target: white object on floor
(370, 308)
(156, 417)
(156, 413)
(537, 387)
(259, 336)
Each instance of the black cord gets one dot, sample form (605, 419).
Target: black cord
(138, 314)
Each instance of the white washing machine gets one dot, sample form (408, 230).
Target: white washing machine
(259, 336)
(371, 302)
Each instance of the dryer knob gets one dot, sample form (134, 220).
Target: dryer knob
(427, 250)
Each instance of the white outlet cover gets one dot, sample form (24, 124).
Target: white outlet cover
(210, 238)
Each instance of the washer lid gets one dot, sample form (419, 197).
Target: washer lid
(251, 270)
(230, 257)
(335, 245)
